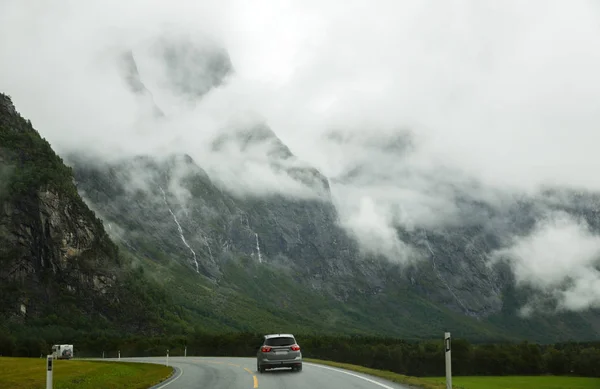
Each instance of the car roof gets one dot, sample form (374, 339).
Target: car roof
(278, 336)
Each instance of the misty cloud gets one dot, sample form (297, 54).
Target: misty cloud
(374, 229)
(411, 109)
(560, 258)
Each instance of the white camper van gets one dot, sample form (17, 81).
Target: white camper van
(62, 351)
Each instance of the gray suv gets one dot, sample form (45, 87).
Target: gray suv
(279, 350)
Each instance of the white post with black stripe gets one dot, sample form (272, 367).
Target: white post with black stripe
(49, 368)
(447, 347)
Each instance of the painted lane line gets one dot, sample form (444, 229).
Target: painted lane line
(351, 374)
(171, 381)
(253, 377)
(233, 364)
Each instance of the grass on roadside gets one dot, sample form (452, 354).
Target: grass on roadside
(30, 373)
(414, 382)
(505, 382)
(521, 382)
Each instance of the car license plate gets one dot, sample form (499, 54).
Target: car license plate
(280, 352)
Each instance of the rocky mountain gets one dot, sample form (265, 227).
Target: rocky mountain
(169, 210)
(181, 66)
(58, 267)
(47, 231)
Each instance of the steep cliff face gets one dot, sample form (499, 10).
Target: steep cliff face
(46, 242)
(50, 243)
(171, 208)
(56, 259)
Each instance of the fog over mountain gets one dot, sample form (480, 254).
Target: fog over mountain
(410, 109)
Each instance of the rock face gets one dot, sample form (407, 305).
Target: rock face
(185, 67)
(50, 242)
(186, 216)
(192, 68)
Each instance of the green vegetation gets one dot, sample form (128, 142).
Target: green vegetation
(427, 358)
(519, 382)
(30, 373)
(33, 163)
(506, 382)
(387, 375)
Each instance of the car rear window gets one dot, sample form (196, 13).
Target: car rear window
(281, 341)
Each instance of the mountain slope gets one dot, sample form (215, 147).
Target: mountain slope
(58, 268)
(273, 260)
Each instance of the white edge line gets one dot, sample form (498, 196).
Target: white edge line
(348, 373)
(173, 380)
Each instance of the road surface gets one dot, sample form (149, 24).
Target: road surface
(240, 373)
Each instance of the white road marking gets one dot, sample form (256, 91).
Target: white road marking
(352, 374)
(173, 380)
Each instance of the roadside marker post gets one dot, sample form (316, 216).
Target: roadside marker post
(185, 351)
(102, 354)
(49, 372)
(167, 357)
(119, 355)
(447, 346)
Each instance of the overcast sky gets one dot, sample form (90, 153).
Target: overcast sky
(505, 94)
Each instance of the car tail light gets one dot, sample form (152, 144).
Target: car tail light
(295, 347)
(265, 349)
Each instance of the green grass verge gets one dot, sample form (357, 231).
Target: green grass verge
(414, 382)
(521, 382)
(30, 373)
(507, 382)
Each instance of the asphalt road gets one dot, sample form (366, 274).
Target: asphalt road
(240, 373)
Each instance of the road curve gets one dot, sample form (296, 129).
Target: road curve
(240, 373)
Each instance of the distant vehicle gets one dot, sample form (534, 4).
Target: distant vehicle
(62, 351)
(279, 350)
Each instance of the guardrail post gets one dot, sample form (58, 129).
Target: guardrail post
(49, 372)
(447, 346)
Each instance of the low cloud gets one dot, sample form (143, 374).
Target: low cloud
(560, 258)
(372, 226)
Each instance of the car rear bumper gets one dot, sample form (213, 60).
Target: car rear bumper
(285, 363)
